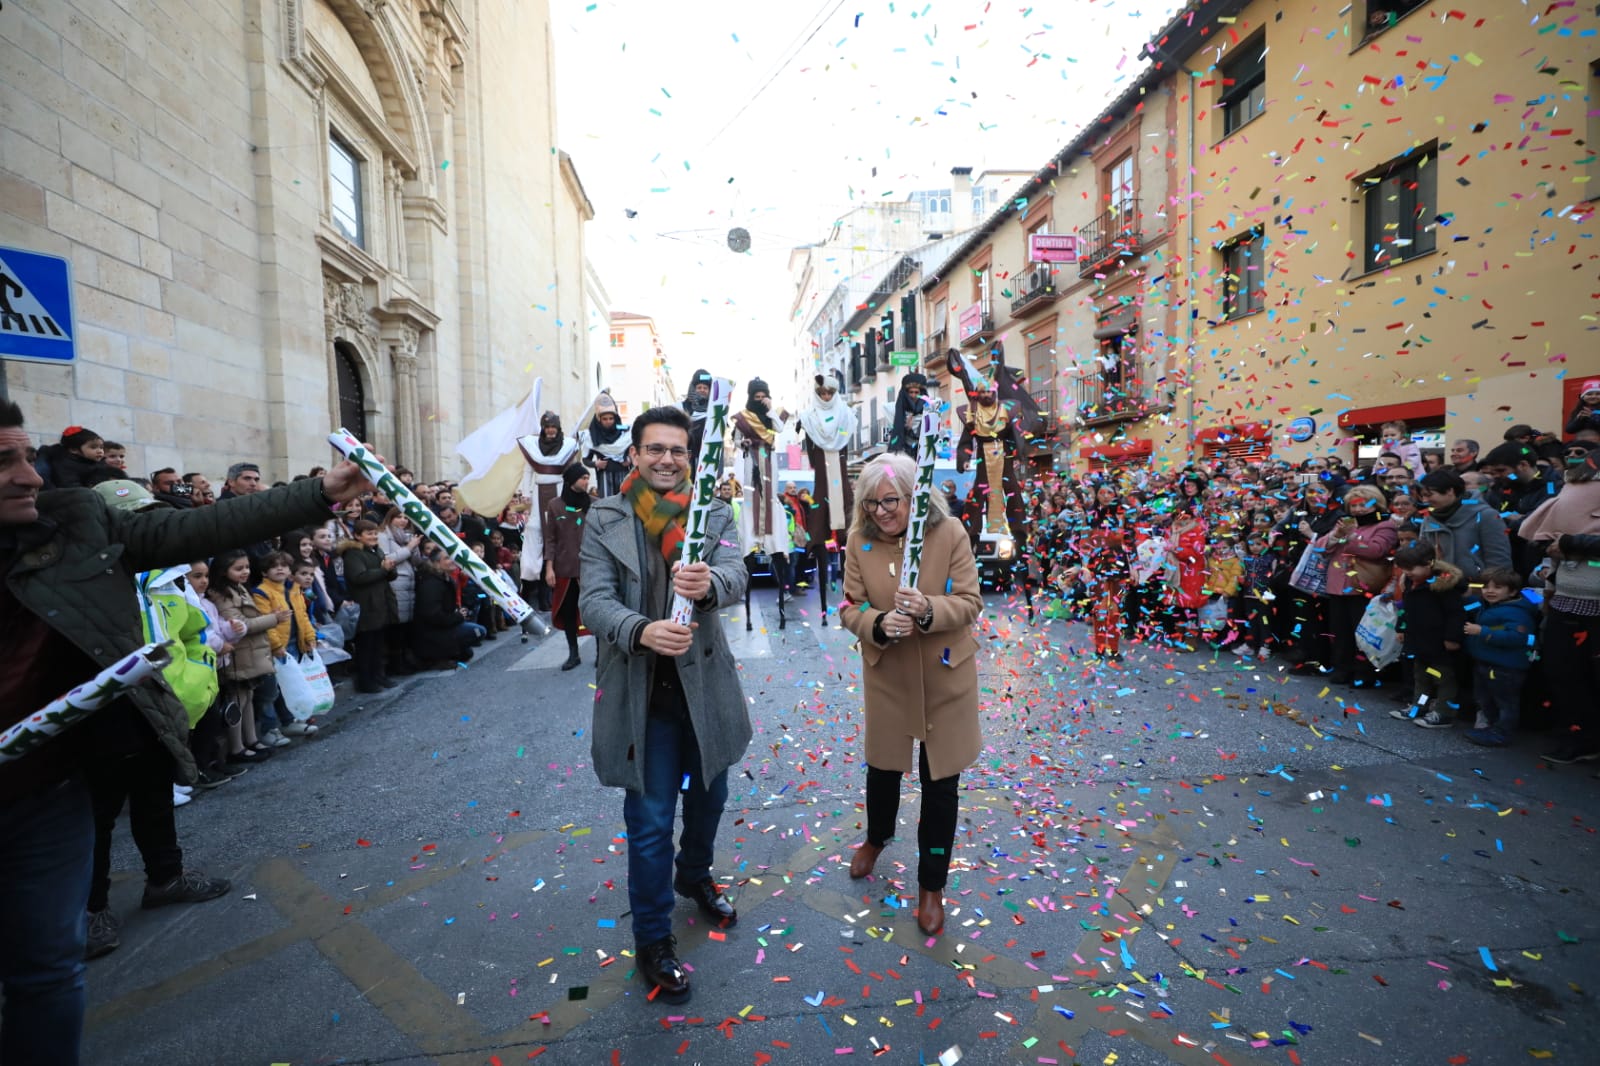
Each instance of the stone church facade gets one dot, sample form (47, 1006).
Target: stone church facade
(289, 215)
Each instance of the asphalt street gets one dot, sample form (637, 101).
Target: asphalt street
(1179, 858)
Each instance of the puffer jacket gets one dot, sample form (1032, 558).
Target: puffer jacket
(405, 557)
(1359, 565)
(252, 653)
(370, 585)
(75, 569)
(297, 629)
(1509, 636)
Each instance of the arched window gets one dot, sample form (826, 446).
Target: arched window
(352, 397)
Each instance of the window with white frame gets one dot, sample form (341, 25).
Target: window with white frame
(344, 191)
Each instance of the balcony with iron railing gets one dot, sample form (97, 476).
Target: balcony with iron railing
(934, 347)
(1113, 235)
(1039, 287)
(1105, 398)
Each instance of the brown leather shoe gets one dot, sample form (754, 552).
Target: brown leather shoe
(930, 910)
(865, 858)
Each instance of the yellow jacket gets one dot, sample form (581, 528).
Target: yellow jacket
(272, 597)
(1223, 576)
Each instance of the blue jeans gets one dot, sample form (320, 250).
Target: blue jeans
(472, 632)
(266, 696)
(44, 899)
(1499, 692)
(671, 767)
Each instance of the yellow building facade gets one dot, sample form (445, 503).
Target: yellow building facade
(1301, 221)
(1389, 216)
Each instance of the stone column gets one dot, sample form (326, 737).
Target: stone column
(407, 415)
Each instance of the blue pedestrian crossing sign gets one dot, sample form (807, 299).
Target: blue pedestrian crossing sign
(36, 307)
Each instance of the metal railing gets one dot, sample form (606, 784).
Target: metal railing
(1040, 288)
(1113, 234)
(1102, 398)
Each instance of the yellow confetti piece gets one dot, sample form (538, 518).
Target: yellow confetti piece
(1290, 920)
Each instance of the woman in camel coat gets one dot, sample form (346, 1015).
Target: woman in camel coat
(919, 662)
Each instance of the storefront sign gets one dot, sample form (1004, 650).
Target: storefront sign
(1053, 247)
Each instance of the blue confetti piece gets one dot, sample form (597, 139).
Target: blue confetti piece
(685, 786)
(606, 923)
(1127, 959)
(1488, 960)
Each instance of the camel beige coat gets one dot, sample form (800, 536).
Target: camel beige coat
(926, 686)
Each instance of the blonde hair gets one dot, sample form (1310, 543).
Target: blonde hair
(1366, 492)
(899, 473)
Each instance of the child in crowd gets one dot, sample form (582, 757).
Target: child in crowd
(481, 609)
(251, 659)
(368, 576)
(1431, 620)
(1224, 575)
(116, 457)
(76, 462)
(1396, 440)
(269, 587)
(208, 741)
(1252, 607)
(1502, 640)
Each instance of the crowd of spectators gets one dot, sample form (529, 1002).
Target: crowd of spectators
(1484, 567)
(276, 622)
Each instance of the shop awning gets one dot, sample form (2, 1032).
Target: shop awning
(1415, 411)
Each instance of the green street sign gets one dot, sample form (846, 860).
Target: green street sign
(902, 358)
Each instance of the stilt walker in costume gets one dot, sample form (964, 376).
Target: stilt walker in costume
(908, 405)
(548, 455)
(990, 439)
(697, 403)
(563, 540)
(761, 521)
(827, 426)
(604, 445)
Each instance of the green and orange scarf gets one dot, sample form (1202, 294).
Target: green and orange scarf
(665, 515)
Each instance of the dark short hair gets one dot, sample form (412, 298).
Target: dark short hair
(306, 564)
(238, 468)
(163, 470)
(1503, 576)
(114, 446)
(676, 417)
(1416, 555)
(1445, 481)
(1469, 444)
(364, 525)
(10, 415)
(1508, 454)
(190, 476)
(271, 559)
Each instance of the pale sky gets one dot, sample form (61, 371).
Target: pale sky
(687, 114)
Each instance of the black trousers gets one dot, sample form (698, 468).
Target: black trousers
(1344, 614)
(567, 615)
(936, 829)
(368, 657)
(144, 783)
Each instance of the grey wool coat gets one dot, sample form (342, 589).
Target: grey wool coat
(614, 604)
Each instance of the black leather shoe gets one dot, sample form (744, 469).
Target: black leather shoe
(710, 900)
(660, 969)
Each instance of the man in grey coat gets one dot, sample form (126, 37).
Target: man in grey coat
(670, 717)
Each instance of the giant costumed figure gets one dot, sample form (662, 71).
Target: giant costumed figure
(548, 455)
(604, 445)
(991, 438)
(827, 427)
(762, 523)
(697, 403)
(908, 407)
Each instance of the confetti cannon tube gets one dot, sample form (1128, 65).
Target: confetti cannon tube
(67, 711)
(493, 582)
(704, 487)
(921, 499)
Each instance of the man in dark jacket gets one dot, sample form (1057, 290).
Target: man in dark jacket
(67, 611)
